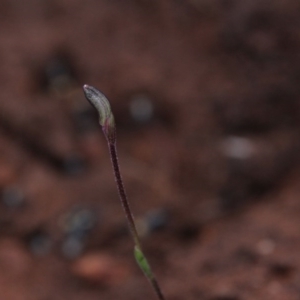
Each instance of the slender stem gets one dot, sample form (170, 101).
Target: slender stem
(122, 193)
(157, 289)
(131, 224)
(106, 120)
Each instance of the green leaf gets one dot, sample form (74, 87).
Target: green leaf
(142, 262)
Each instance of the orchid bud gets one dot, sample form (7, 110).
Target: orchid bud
(106, 118)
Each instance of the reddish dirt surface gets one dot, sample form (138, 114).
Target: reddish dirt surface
(206, 98)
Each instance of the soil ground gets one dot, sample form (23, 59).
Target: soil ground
(206, 100)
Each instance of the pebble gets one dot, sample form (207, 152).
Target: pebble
(265, 247)
(154, 220)
(141, 108)
(72, 247)
(40, 243)
(100, 268)
(76, 226)
(157, 219)
(238, 147)
(79, 221)
(12, 196)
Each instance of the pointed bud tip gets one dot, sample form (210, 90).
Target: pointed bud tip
(90, 92)
(86, 87)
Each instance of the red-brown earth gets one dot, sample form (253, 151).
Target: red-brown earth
(206, 100)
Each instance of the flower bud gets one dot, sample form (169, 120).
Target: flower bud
(106, 118)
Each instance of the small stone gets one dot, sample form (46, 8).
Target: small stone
(141, 108)
(12, 196)
(265, 246)
(157, 219)
(275, 288)
(100, 268)
(153, 221)
(40, 243)
(238, 147)
(78, 222)
(72, 247)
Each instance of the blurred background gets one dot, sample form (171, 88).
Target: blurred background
(206, 99)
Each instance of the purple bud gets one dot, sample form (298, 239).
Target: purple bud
(106, 118)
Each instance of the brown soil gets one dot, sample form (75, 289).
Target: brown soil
(206, 98)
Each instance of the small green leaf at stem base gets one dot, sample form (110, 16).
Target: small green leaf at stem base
(142, 262)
